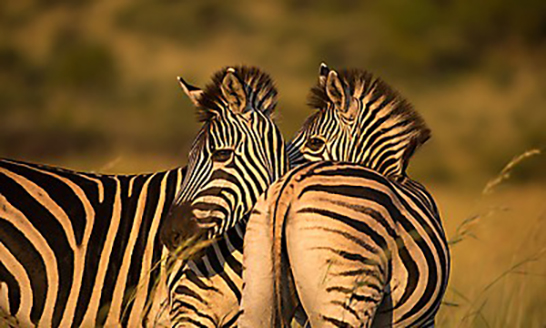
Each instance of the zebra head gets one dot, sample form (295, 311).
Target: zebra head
(359, 119)
(236, 155)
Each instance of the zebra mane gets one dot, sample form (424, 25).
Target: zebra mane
(391, 107)
(259, 88)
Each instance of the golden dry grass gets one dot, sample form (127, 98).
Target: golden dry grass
(499, 270)
(498, 245)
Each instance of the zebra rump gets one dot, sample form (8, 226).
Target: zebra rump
(350, 240)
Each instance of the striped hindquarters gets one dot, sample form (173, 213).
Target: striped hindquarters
(362, 248)
(362, 120)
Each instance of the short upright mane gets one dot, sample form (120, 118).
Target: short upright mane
(395, 112)
(259, 87)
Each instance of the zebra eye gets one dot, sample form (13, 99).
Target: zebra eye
(222, 155)
(315, 143)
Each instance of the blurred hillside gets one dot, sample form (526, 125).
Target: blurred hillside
(90, 82)
(91, 85)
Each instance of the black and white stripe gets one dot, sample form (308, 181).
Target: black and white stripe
(359, 119)
(238, 153)
(355, 241)
(80, 249)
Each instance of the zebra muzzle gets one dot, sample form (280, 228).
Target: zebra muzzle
(180, 228)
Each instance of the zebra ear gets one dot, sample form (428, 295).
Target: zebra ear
(323, 74)
(234, 92)
(335, 91)
(193, 92)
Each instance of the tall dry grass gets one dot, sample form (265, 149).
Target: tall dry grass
(499, 255)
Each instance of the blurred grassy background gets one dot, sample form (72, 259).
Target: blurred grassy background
(91, 85)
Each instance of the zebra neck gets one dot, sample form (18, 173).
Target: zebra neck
(388, 149)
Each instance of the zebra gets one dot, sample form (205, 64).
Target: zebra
(80, 249)
(84, 249)
(237, 154)
(348, 236)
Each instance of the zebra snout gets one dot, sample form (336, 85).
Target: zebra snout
(179, 226)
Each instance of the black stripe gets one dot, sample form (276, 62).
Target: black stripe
(364, 298)
(59, 192)
(181, 304)
(353, 257)
(346, 307)
(429, 257)
(384, 141)
(352, 291)
(235, 265)
(374, 214)
(361, 272)
(137, 256)
(103, 219)
(200, 264)
(52, 231)
(192, 321)
(32, 262)
(185, 291)
(234, 289)
(14, 292)
(274, 150)
(234, 238)
(359, 226)
(170, 191)
(244, 173)
(233, 321)
(254, 157)
(336, 322)
(215, 262)
(427, 253)
(360, 242)
(128, 211)
(195, 279)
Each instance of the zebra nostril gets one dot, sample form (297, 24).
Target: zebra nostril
(176, 239)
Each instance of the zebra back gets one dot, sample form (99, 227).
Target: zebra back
(80, 248)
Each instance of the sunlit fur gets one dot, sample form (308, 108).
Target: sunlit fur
(82, 249)
(221, 194)
(207, 289)
(352, 239)
(358, 248)
(383, 136)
